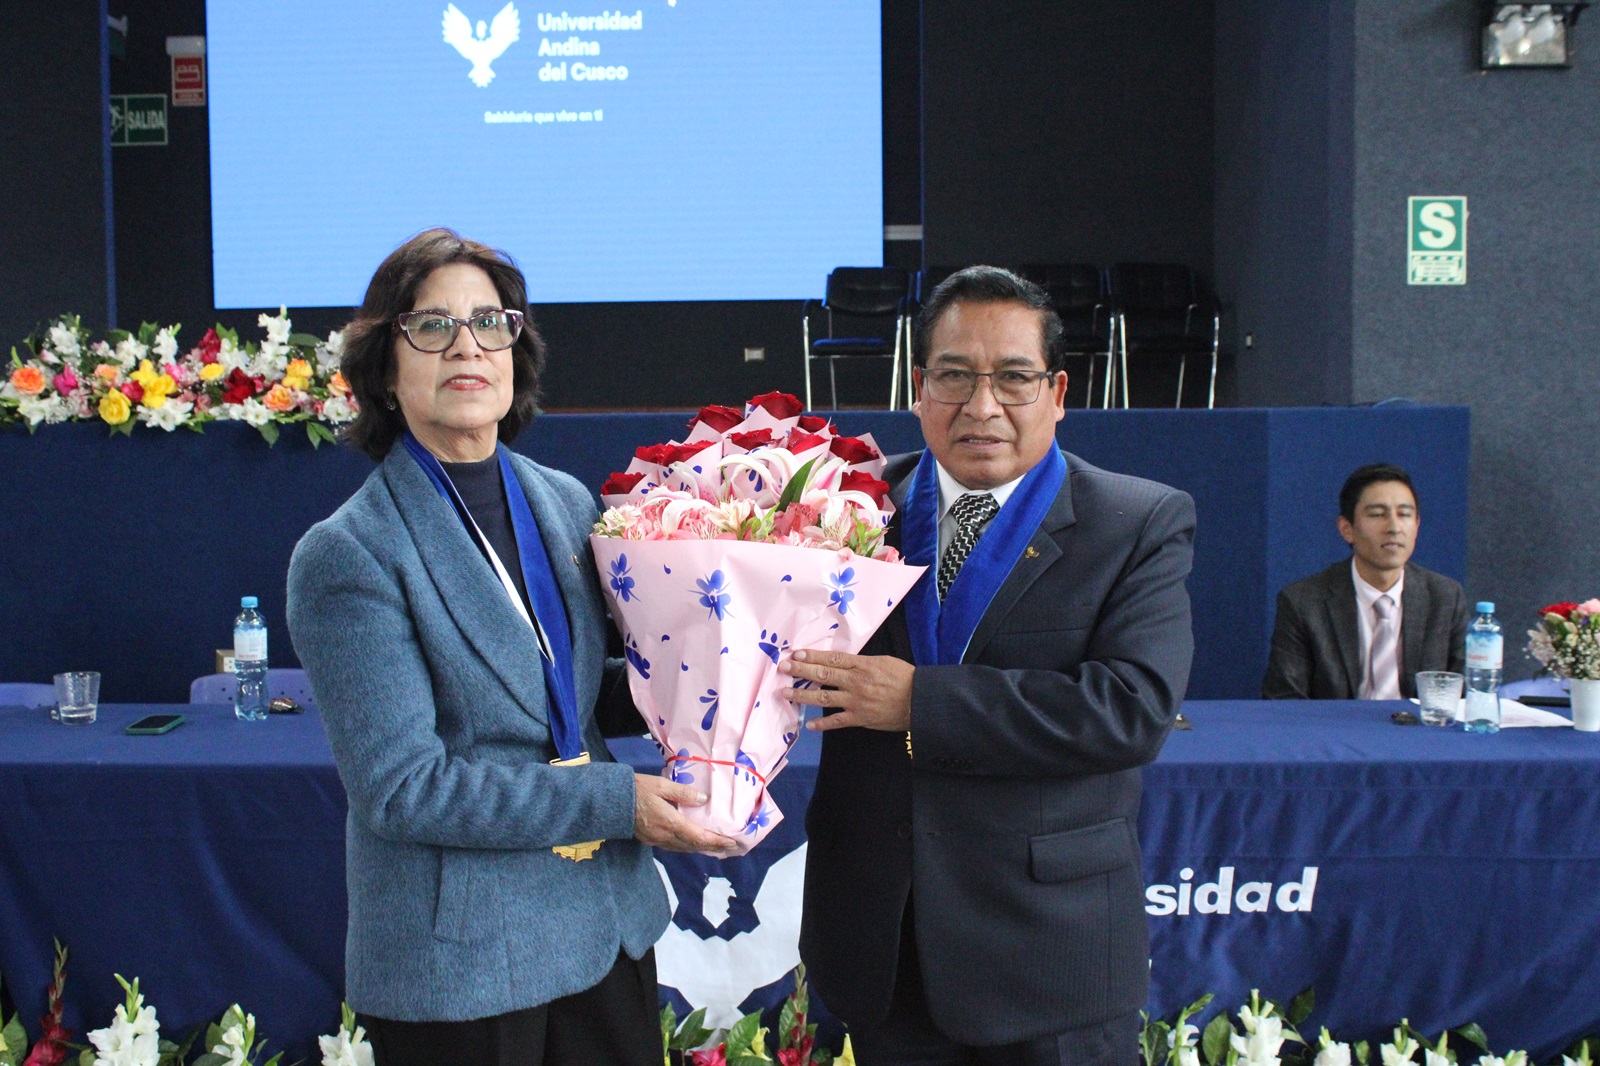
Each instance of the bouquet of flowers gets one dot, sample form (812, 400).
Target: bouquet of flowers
(763, 531)
(128, 378)
(1567, 642)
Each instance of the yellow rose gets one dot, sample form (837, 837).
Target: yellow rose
(211, 372)
(157, 388)
(114, 408)
(298, 368)
(292, 381)
(145, 374)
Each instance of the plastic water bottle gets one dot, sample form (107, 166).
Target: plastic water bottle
(250, 662)
(1485, 648)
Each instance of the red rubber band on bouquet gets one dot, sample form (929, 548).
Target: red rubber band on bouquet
(720, 762)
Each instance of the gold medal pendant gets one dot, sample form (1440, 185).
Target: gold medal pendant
(586, 850)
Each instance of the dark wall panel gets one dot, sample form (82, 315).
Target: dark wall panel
(1060, 132)
(1518, 342)
(53, 123)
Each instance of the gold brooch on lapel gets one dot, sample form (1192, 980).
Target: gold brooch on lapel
(575, 561)
(1031, 553)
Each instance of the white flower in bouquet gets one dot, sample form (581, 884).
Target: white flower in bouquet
(331, 353)
(347, 1047)
(338, 410)
(165, 344)
(231, 356)
(1431, 1057)
(277, 326)
(1403, 1050)
(254, 412)
(129, 351)
(1263, 1037)
(1331, 1052)
(236, 1039)
(134, 1036)
(1512, 1058)
(169, 416)
(64, 340)
(48, 409)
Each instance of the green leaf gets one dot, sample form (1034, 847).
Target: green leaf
(693, 1032)
(16, 1040)
(270, 431)
(148, 331)
(320, 434)
(1363, 1050)
(211, 1058)
(1153, 1041)
(224, 333)
(821, 1056)
(87, 1057)
(669, 1025)
(796, 485)
(115, 337)
(1214, 1040)
(126, 428)
(743, 1037)
(1300, 1006)
(304, 340)
(1472, 1033)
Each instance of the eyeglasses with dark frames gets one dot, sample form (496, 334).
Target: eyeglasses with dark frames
(1013, 388)
(434, 331)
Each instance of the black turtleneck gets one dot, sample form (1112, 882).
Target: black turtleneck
(485, 496)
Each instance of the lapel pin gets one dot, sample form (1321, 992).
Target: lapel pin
(575, 561)
(1031, 553)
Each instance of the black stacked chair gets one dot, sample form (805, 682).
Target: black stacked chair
(871, 304)
(1163, 310)
(1079, 294)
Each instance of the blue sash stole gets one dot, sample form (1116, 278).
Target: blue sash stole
(940, 632)
(548, 607)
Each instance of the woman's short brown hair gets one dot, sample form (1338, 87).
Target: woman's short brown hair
(368, 361)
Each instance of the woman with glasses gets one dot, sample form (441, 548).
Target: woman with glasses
(503, 902)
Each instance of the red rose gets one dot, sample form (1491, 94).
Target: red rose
(1564, 609)
(651, 453)
(856, 481)
(209, 346)
(618, 483)
(756, 438)
(133, 390)
(798, 441)
(239, 386)
(717, 417)
(813, 423)
(778, 404)
(678, 453)
(853, 450)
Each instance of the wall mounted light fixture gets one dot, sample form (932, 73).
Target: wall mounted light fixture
(1528, 35)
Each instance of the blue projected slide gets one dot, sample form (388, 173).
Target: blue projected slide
(683, 150)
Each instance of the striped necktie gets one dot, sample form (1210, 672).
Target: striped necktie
(1383, 656)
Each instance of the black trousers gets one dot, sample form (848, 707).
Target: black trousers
(910, 1037)
(615, 1023)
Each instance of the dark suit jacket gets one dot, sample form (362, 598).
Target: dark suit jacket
(1316, 642)
(1014, 821)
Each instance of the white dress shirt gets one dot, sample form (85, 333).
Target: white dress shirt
(951, 490)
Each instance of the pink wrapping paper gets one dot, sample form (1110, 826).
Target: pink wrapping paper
(704, 624)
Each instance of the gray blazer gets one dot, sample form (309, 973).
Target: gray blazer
(1013, 822)
(1316, 640)
(433, 696)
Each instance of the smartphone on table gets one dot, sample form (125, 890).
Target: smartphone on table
(154, 725)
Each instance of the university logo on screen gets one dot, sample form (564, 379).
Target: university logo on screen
(1227, 895)
(486, 42)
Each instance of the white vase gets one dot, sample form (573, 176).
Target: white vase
(1586, 705)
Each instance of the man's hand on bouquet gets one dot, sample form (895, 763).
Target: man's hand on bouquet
(870, 691)
(657, 822)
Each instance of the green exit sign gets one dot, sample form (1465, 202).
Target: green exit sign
(138, 120)
(1437, 240)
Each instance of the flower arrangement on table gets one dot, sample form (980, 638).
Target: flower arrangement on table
(125, 379)
(1567, 642)
(760, 532)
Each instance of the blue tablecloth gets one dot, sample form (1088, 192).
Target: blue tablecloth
(1400, 870)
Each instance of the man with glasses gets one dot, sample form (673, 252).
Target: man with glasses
(973, 885)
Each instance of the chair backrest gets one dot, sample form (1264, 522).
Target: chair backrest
(26, 694)
(221, 688)
(867, 290)
(1154, 288)
(1072, 286)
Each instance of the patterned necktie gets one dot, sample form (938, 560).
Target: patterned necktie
(1383, 667)
(971, 511)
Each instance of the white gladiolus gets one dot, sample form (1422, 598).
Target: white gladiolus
(125, 1042)
(338, 409)
(169, 416)
(277, 326)
(1259, 1046)
(166, 345)
(346, 1049)
(1333, 1055)
(64, 340)
(130, 351)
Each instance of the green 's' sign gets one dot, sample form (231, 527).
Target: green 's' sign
(138, 120)
(1437, 237)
